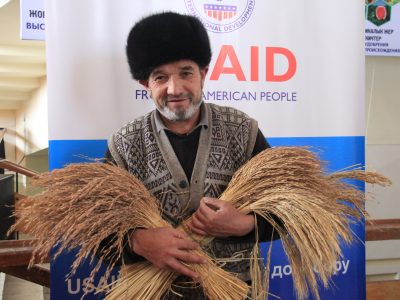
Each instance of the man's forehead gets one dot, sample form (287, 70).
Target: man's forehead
(182, 65)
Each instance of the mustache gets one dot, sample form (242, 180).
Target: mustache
(172, 98)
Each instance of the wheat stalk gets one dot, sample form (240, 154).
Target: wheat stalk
(315, 210)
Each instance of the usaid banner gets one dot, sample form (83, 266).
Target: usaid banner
(293, 66)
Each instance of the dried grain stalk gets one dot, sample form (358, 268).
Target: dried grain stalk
(82, 205)
(287, 182)
(316, 209)
(144, 281)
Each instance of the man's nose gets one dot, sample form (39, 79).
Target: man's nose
(174, 86)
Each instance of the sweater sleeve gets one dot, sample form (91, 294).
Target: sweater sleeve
(266, 231)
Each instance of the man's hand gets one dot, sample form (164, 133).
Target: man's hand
(166, 248)
(219, 218)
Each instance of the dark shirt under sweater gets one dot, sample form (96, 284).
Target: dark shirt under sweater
(185, 147)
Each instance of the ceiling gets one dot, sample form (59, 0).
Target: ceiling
(22, 63)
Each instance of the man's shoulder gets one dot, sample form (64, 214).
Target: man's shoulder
(229, 113)
(135, 125)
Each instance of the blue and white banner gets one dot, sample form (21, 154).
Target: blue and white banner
(284, 63)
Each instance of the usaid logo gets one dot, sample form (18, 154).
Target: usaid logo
(221, 15)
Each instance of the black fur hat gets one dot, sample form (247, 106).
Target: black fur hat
(163, 38)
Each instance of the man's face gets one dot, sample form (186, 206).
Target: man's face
(176, 89)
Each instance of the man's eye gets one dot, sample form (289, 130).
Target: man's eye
(185, 74)
(159, 78)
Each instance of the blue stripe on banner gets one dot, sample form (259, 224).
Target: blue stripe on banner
(62, 152)
(338, 152)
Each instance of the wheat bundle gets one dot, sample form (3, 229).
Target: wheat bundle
(286, 182)
(82, 205)
(144, 281)
(315, 209)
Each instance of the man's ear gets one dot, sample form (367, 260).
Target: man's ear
(145, 83)
(203, 73)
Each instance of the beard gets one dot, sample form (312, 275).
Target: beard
(180, 114)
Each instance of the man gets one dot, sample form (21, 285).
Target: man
(186, 151)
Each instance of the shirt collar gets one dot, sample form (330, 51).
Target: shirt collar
(159, 124)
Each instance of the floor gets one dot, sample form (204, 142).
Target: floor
(18, 289)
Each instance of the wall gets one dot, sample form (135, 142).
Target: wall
(383, 155)
(32, 123)
(7, 120)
